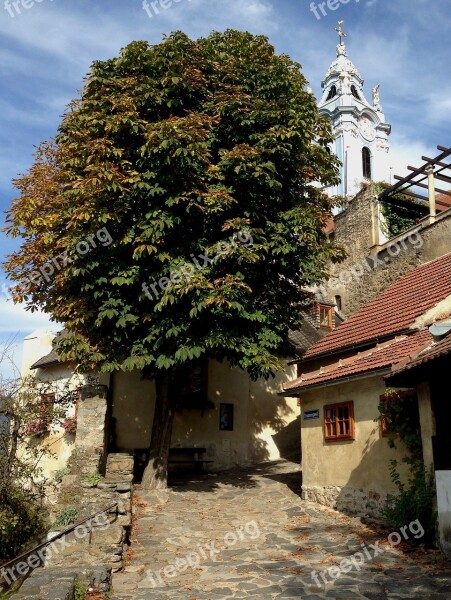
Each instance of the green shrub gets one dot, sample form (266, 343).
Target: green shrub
(67, 516)
(20, 521)
(80, 590)
(92, 478)
(414, 501)
(58, 477)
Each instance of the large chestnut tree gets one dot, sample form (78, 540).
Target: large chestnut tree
(171, 149)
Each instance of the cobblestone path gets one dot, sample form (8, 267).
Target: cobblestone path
(249, 535)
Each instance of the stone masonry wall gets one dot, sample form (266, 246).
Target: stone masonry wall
(348, 500)
(369, 270)
(96, 482)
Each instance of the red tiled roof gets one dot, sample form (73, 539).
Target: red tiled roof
(430, 352)
(445, 199)
(394, 311)
(381, 356)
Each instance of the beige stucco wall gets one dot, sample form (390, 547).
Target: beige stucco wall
(265, 425)
(60, 379)
(351, 475)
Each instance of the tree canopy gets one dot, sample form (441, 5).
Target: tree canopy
(179, 212)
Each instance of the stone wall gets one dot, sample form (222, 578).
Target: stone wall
(91, 440)
(348, 500)
(370, 268)
(97, 485)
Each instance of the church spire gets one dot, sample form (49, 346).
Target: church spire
(341, 48)
(361, 134)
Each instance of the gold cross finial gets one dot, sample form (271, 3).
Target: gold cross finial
(340, 31)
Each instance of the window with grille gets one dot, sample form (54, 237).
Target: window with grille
(339, 422)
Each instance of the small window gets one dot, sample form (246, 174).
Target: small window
(46, 408)
(366, 161)
(190, 388)
(354, 92)
(339, 303)
(326, 315)
(339, 422)
(332, 93)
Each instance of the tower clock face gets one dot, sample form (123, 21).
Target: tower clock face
(366, 128)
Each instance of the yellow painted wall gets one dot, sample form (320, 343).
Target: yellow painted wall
(259, 414)
(266, 426)
(361, 465)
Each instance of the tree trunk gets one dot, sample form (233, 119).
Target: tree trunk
(156, 473)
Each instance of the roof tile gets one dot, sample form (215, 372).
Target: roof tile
(395, 310)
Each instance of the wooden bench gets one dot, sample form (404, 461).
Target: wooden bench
(188, 456)
(177, 456)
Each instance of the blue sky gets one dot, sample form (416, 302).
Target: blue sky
(46, 50)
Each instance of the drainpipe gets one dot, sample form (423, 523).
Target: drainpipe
(432, 199)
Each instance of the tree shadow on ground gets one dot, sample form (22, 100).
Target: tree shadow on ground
(281, 471)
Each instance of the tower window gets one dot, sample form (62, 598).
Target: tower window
(332, 93)
(354, 92)
(338, 302)
(366, 162)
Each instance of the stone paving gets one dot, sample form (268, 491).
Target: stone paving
(248, 534)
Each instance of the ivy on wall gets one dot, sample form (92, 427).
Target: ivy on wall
(401, 215)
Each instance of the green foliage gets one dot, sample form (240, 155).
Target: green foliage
(400, 215)
(20, 521)
(92, 478)
(58, 477)
(80, 590)
(22, 484)
(67, 516)
(173, 148)
(399, 410)
(415, 500)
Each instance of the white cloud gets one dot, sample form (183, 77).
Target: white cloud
(15, 319)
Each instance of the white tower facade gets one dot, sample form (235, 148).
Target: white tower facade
(360, 131)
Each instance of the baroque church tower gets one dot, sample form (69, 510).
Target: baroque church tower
(360, 131)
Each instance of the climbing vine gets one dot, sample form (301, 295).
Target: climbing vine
(400, 217)
(399, 415)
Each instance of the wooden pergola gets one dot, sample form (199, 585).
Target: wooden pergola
(424, 177)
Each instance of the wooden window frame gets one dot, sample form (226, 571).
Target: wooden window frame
(330, 314)
(339, 437)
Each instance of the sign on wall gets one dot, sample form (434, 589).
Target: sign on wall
(311, 414)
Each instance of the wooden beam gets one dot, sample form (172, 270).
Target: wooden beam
(431, 160)
(422, 185)
(443, 177)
